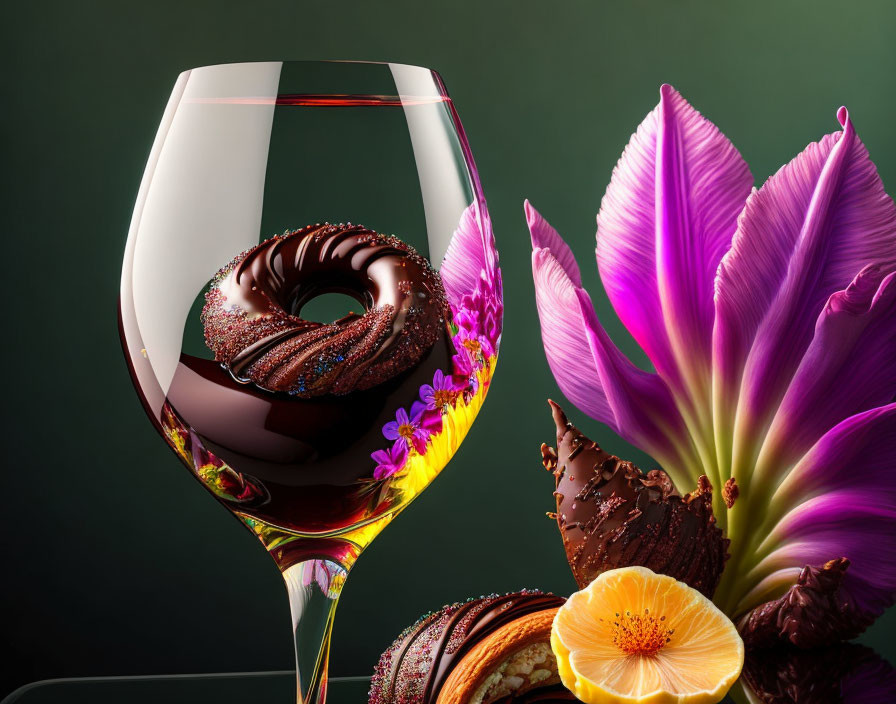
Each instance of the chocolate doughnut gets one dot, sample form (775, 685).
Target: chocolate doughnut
(416, 666)
(251, 311)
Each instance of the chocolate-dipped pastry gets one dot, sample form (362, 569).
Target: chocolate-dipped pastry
(415, 667)
(612, 515)
(251, 311)
(847, 673)
(813, 613)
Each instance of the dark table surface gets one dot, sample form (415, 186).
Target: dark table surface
(220, 688)
(217, 688)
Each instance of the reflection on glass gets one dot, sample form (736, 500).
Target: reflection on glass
(848, 673)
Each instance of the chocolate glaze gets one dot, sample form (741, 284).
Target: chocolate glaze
(612, 515)
(813, 613)
(251, 312)
(414, 668)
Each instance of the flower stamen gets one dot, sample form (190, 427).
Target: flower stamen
(473, 345)
(640, 634)
(444, 397)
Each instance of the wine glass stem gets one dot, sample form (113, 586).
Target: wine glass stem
(314, 587)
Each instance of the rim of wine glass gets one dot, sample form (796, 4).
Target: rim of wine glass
(313, 61)
(439, 82)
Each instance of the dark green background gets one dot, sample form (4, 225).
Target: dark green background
(113, 560)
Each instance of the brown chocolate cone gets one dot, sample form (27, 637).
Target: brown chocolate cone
(813, 613)
(612, 515)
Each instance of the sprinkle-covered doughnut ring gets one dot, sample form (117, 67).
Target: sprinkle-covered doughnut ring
(251, 322)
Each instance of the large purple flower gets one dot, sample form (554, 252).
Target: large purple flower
(408, 427)
(769, 317)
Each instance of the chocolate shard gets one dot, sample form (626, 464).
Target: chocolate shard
(846, 672)
(611, 514)
(812, 614)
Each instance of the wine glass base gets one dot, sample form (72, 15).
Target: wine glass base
(274, 687)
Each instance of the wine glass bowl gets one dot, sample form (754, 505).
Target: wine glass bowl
(312, 423)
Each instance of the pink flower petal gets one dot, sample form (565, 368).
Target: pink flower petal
(848, 368)
(546, 237)
(841, 502)
(592, 372)
(801, 237)
(565, 344)
(665, 222)
(645, 413)
(465, 259)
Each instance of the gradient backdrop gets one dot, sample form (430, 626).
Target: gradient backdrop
(114, 561)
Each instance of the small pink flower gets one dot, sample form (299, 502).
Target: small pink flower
(408, 427)
(441, 394)
(391, 461)
(464, 372)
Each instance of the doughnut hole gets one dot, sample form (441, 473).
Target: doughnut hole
(329, 306)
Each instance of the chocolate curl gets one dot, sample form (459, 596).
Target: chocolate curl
(610, 514)
(813, 613)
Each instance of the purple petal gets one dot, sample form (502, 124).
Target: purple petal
(381, 456)
(563, 336)
(546, 237)
(384, 471)
(842, 497)
(848, 367)
(419, 439)
(390, 430)
(463, 367)
(465, 259)
(417, 409)
(427, 393)
(801, 237)
(398, 453)
(465, 318)
(432, 421)
(401, 417)
(665, 222)
(644, 411)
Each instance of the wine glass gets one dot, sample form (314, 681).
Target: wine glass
(311, 306)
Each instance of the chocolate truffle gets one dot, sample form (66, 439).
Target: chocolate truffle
(611, 514)
(415, 667)
(813, 613)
